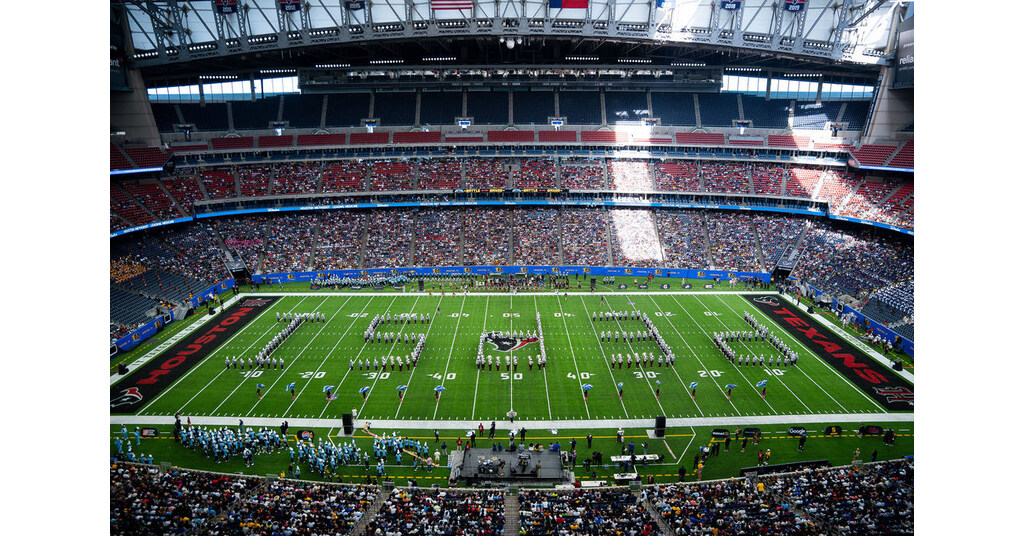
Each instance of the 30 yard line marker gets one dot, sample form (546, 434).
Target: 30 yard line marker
(413, 371)
(397, 335)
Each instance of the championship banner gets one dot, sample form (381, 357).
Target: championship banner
(794, 6)
(290, 6)
(731, 5)
(225, 7)
(355, 5)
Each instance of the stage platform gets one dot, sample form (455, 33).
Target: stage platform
(479, 466)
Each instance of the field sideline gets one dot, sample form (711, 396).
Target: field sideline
(318, 355)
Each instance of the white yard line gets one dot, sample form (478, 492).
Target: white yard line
(413, 373)
(476, 385)
(545, 369)
(450, 351)
(697, 357)
(397, 335)
(575, 364)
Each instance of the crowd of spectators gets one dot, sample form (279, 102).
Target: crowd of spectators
(725, 177)
(185, 190)
(154, 199)
(420, 511)
(197, 255)
(677, 177)
(630, 176)
(732, 242)
(483, 173)
(776, 235)
(582, 174)
(438, 233)
(121, 204)
(584, 237)
(219, 183)
(488, 234)
(836, 188)
(338, 245)
(534, 174)
(875, 498)
(682, 239)
(768, 178)
(388, 238)
(345, 176)
(389, 175)
(245, 238)
(125, 268)
(612, 511)
(801, 182)
(440, 174)
(144, 500)
(254, 181)
(727, 507)
(296, 178)
(535, 234)
(296, 507)
(289, 242)
(634, 238)
(863, 202)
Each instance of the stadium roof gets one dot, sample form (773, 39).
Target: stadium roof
(191, 37)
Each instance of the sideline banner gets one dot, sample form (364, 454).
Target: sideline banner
(429, 271)
(136, 337)
(209, 293)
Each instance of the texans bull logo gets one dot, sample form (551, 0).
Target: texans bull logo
(507, 344)
(768, 300)
(896, 394)
(128, 397)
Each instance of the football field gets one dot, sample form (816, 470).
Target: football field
(319, 355)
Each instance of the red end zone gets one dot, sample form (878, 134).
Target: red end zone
(148, 381)
(878, 381)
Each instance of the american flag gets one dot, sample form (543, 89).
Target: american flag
(451, 4)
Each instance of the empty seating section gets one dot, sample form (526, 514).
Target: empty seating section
(630, 176)
(700, 138)
(417, 137)
(165, 116)
(147, 157)
(254, 181)
(835, 187)
(303, 111)
(255, 115)
(533, 107)
(129, 308)
(290, 179)
(718, 109)
(347, 109)
(562, 136)
(904, 158)
(802, 182)
(580, 107)
(768, 179)
(488, 232)
(193, 253)
(316, 140)
(346, 176)
(582, 174)
(765, 113)
(604, 137)
(864, 201)
(855, 263)
(795, 142)
(269, 142)
(682, 239)
(487, 107)
(245, 238)
(209, 116)
(369, 138)
(776, 234)
(584, 237)
(873, 155)
(438, 233)
(486, 174)
(388, 238)
(394, 108)
(677, 177)
(510, 136)
(725, 177)
(892, 210)
(625, 106)
(337, 248)
(856, 114)
(440, 107)
(634, 238)
(438, 174)
(117, 159)
(811, 116)
(674, 109)
(234, 142)
(431, 511)
(122, 205)
(732, 242)
(289, 243)
(534, 174)
(219, 183)
(615, 511)
(535, 234)
(391, 175)
(154, 199)
(165, 285)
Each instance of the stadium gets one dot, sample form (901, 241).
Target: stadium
(532, 266)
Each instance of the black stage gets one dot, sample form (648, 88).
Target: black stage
(485, 465)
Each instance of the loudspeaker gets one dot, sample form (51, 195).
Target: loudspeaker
(659, 426)
(421, 285)
(897, 365)
(346, 423)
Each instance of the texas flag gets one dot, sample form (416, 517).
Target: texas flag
(569, 4)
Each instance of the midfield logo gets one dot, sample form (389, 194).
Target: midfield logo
(896, 394)
(507, 344)
(128, 396)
